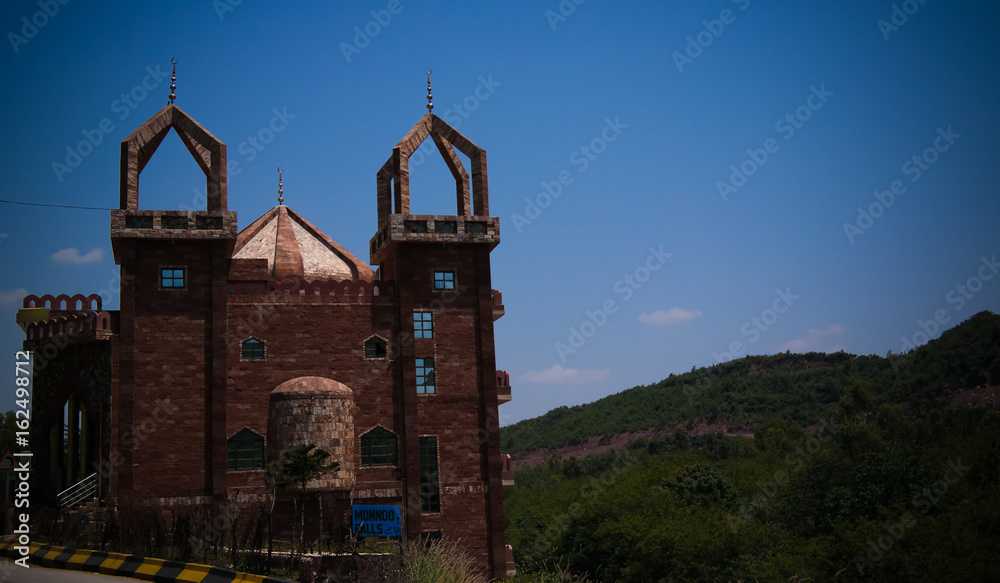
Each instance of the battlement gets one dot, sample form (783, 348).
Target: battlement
(434, 229)
(315, 292)
(100, 323)
(63, 302)
(150, 224)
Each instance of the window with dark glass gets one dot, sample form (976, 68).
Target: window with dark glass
(425, 376)
(444, 280)
(253, 349)
(172, 277)
(375, 348)
(378, 448)
(423, 325)
(246, 451)
(430, 496)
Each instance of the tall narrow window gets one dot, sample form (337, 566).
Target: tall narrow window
(246, 451)
(423, 325)
(378, 448)
(425, 376)
(430, 495)
(253, 349)
(172, 277)
(444, 280)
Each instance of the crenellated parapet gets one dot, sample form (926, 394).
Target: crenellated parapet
(63, 302)
(318, 292)
(102, 323)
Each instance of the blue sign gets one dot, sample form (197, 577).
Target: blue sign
(369, 520)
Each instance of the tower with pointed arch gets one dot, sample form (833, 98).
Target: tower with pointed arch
(230, 345)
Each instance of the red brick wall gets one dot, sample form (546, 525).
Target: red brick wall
(166, 370)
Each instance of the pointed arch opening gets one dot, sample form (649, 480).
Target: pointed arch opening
(393, 179)
(209, 154)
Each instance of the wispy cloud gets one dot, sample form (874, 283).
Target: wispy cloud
(71, 255)
(11, 296)
(558, 374)
(815, 341)
(671, 316)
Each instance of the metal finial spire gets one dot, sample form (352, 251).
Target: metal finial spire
(430, 102)
(173, 81)
(281, 190)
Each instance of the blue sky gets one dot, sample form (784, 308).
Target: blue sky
(709, 160)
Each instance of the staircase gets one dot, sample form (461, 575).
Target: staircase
(77, 494)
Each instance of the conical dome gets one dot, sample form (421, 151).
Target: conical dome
(294, 248)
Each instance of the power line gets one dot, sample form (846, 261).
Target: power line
(62, 206)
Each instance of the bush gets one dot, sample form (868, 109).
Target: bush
(440, 562)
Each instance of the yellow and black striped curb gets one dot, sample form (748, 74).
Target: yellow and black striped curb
(129, 565)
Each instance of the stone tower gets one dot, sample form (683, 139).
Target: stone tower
(172, 328)
(450, 438)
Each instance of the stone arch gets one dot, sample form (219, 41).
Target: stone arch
(393, 179)
(207, 150)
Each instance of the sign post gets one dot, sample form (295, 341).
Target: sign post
(372, 520)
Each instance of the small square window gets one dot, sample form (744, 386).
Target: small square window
(253, 349)
(425, 376)
(172, 277)
(375, 348)
(423, 325)
(444, 280)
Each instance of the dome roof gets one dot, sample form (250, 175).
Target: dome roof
(312, 386)
(294, 248)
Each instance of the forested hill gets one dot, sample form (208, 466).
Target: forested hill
(802, 388)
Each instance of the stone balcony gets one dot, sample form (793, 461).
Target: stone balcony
(506, 471)
(503, 387)
(498, 310)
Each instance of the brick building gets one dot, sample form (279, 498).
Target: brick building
(231, 345)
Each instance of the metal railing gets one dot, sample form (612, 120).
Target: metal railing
(78, 493)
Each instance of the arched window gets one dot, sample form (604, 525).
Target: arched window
(253, 349)
(375, 347)
(378, 448)
(246, 451)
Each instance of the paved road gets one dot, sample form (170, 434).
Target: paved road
(11, 573)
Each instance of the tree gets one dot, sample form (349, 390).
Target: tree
(299, 465)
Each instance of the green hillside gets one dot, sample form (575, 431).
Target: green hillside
(802, 388)
(895, 485)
